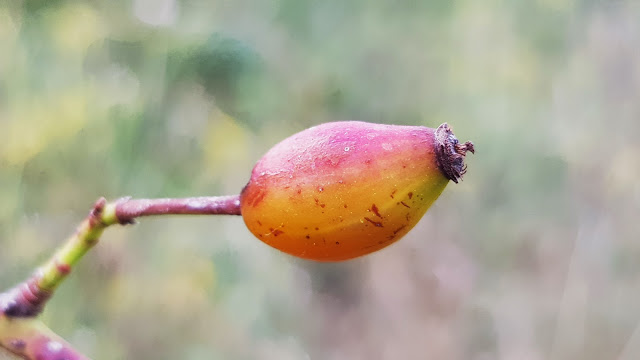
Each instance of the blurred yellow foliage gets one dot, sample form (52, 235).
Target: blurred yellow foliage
(226, 142)
(171, 291)
(75, 27)
(34, 125)
(8, 29)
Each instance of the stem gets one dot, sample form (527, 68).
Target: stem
(29, 338)
(23, 303)
(128, 209)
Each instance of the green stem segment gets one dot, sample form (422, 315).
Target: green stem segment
(20, 332)
(85, 237)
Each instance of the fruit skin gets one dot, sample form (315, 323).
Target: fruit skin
(344, 189)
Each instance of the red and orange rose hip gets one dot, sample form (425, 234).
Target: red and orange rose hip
(345, 189)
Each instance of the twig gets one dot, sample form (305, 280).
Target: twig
(21, 332)
(28, 338)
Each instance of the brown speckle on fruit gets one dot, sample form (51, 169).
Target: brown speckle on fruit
(374, 208)
(376, 223)
(399, 229)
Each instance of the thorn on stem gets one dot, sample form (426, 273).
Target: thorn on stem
(99, 206)
(95, 217)
(64, 269)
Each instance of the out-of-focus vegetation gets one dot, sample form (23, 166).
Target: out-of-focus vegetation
(535, 255)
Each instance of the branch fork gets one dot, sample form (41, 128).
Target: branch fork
(21, 332)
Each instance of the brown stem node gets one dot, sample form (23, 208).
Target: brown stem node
(25, 300)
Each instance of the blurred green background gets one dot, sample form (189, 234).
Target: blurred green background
(535, 255)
